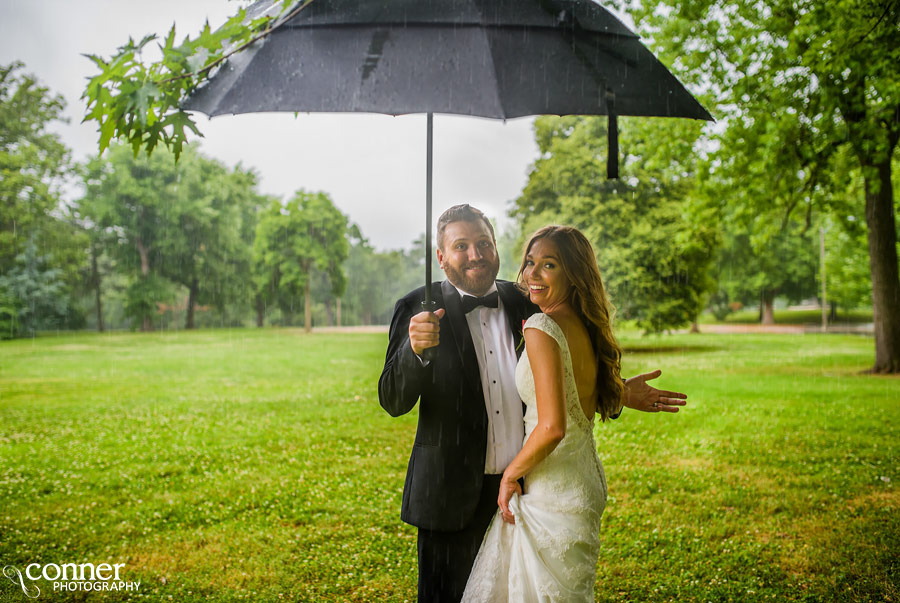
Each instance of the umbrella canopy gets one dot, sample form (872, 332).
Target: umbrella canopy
(490, 58)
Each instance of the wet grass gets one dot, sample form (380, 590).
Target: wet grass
(257, 465)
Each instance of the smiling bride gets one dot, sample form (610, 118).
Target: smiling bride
(543, 543)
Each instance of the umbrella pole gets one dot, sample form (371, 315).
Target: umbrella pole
(428, 164)
(428, 305)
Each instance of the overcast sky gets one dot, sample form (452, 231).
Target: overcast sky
(373, 166)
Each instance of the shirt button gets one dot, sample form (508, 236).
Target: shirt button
(495, 382)
(498, 412)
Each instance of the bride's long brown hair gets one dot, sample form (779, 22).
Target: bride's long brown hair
(590, 302)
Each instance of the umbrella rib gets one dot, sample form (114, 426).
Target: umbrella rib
(502, 109)
(406, 24)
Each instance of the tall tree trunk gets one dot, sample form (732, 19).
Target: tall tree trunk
(144, 252)
(260, 310)
(339, 311)
(192, 301)
(307, 308)
(95, 280)
(883, 266)
(767, 302)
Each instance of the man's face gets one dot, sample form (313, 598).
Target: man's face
(469, 257)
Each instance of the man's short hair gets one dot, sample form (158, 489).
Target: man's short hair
(460, 213)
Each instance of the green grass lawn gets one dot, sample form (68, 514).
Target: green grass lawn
(258, 465)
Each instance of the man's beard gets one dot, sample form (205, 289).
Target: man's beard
(475, 284)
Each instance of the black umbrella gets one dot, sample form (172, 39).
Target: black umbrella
(490, 58)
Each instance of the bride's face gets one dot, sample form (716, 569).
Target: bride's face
(548, 285)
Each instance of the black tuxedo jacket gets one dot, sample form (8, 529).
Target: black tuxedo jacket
(446, 467)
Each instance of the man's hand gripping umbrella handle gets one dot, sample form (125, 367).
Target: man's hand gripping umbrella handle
(429, 354)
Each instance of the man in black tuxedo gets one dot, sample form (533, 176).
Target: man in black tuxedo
(470, 417)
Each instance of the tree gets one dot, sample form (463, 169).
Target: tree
(848, 276)
(33, 162)
(210, 257)
(34, 165)
(510, 241)
(131, 198)
(32, 295)
(783, 264)
(377, 279)
(99, 241)
(810, 77)
(654, 260)
(368, 276)
(139, 102)
(766, 198)
(307, 233)
(173, 223)
(847, 279)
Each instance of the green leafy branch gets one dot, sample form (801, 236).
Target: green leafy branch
(139, 102)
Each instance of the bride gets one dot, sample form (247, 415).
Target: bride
(543, 544)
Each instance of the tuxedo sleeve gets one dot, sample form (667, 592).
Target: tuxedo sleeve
(404, 377)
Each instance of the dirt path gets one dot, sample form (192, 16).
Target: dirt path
(861, 329)
(357, 329)
(753, 328)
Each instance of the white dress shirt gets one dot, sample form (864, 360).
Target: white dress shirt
(496, 352)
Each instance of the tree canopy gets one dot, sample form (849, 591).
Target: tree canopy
(173, 224)
(655, 260)
(794, 83)
(33, 161)
(294, 239)
(40, 251)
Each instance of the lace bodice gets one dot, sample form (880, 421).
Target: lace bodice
(576, 455)
(525, 380)
(550, 554)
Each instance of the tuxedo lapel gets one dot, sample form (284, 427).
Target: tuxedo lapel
(461, 335)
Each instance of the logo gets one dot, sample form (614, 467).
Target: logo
(15, 576)
(69, 577)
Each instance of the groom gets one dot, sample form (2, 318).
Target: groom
(471, 421)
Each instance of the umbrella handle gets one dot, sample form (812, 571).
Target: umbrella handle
(429, 354)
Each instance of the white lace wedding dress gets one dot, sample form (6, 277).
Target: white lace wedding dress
(550, 554)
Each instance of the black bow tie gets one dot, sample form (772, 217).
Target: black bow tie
(469, 302)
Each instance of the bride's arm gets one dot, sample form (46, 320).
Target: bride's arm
(549, 384)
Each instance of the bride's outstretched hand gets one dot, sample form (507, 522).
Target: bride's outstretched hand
(640, 396)
(508, 487)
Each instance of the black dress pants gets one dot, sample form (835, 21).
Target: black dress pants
(446, 558)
